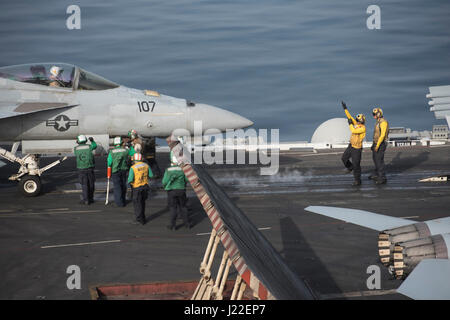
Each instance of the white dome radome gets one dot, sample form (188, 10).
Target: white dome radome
(332, 131)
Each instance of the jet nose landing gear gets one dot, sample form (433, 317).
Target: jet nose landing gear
(30, 186)
(29, 171)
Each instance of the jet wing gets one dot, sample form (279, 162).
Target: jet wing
(377, 221)
(362, 218)
(428, 281)
(20, 109)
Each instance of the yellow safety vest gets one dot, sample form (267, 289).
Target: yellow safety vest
(377, 131)
(358, 132)
(140, 171)
(358, 135)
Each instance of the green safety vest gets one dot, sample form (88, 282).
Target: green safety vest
(174, 179)
(117, 159)
(84, 155)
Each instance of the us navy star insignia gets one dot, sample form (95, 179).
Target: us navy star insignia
(62, 123)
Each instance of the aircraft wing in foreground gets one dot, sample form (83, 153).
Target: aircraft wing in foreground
(417, 251)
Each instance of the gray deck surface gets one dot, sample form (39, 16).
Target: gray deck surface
(332, 256)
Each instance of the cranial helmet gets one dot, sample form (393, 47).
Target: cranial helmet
(360, 118)
(377, 112)
(117, 141)
(137, 157)
(132, 134)
(81, 138)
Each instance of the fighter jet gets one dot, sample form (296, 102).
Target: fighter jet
(45, 106)
(417, 251)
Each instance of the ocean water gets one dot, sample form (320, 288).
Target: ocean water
(283, 64)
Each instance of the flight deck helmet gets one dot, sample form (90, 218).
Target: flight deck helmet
(117, 141)
(81, 139)
(377, 112)
(360, 118)
(137, 157)
(132, 134)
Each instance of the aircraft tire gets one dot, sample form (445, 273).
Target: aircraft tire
(30, 186)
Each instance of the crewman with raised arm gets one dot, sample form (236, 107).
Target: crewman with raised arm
(85, 165)
(354, 149)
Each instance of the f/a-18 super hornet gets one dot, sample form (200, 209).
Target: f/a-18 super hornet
(45, 106)
(412, 250)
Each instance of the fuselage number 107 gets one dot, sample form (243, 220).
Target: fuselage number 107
(146, 106)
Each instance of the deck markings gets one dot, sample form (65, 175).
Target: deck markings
(80, 244)
(24, 214)
(357, 294)
(209, 233)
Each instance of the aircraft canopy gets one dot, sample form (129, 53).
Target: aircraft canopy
(60, 75)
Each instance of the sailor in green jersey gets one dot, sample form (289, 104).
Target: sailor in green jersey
(85, 165)
(118, 170)
(174, 182)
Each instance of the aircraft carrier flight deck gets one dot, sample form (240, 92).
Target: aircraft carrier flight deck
(41, 236)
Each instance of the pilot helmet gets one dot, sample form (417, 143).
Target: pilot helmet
(81, 139)
(55, 71)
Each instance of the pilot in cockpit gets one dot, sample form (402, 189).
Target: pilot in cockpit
(55, 77)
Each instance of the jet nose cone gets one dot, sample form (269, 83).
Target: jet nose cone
(244, 122)
(217, 118)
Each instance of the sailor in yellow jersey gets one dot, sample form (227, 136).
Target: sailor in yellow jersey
(138, 178)
(354, 148)
(380, 138)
